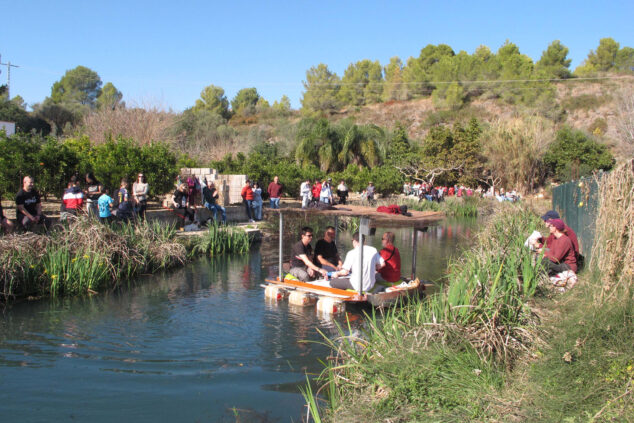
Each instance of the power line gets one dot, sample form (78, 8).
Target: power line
(9, 66)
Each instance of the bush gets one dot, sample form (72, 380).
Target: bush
(18, 158)
(575, 154)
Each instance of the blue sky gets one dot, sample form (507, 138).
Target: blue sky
(165, 53)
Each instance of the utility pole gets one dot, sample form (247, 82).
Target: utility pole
(9, 66)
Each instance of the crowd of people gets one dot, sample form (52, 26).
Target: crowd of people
(382, 266)
(87, 197)
(427, 191)
(321, 193)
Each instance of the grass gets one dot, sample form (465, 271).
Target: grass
(219, 240)
(498, 344)
(83, 257)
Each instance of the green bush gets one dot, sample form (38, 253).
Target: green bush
(575, 154)
(18, 158)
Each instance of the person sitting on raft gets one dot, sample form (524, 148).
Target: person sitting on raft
(326, 254)
(391, 272)
(301, 265)
(560, 253)
(372, 262)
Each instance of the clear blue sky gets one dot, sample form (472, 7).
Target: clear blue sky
(167, 52)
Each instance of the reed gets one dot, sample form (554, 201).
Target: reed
(220, 239)
(412, 358)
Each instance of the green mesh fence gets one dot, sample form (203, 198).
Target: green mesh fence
(577, 203)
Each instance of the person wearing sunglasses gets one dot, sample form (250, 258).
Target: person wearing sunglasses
(302, 266)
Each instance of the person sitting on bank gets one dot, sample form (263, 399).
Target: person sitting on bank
(301, 265)
(326, 254)
(391, 272)
(72, 200)
(559, 256)
(372, 261)
(5, 223)
(29, 206)
(210, 198)
(552, 214)
(180, 201)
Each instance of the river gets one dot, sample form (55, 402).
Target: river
(196, 344)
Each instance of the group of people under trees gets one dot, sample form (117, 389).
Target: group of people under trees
(427, 191)
(90, 199)
(252, 197)
(382, 266)
(321, 193)
(185, 200)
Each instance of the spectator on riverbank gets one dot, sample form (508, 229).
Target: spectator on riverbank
(210, 199)
(193, 187)
(257, 202)
(29, 206)
(5, 223)
(72, 199)
(560, 255)
(104, 203)
(552, 214)
(140, 192)
(180, 202)
(372, 261)
(326, 254)
(305, 191)
(247, 199)
(391, 272)
(125, 209)
(302, 266)
(275, 193)
(94, 189)
(342, 192)
(316, 190)
(325, 195)
(370, 192)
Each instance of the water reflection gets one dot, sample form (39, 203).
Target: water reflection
(186, 345)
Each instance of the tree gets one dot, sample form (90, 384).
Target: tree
(394, 87)
(418, 72)
(554, 62)
(110, 97)
(361, 83)
(283, 107)
(24, 121)
(604, 58)
(625, 60)
(212, 99)
(245, 101)
(322, 87)
(78, 86)
(19, 101)
(574, 154)
(360, 145)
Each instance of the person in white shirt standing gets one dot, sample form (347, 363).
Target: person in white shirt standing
(305, 191)
(372, 261)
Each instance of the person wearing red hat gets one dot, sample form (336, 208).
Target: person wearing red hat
(560, 254)
(552, 214)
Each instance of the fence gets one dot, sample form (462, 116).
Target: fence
(577, 202)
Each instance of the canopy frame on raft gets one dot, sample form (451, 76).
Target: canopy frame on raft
(370, 218)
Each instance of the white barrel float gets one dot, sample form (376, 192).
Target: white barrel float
(301, 298)
(329, 305)
(276, 293)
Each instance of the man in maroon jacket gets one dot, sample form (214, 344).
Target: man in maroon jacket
(275, 192)
(560, 254)
(552, 214)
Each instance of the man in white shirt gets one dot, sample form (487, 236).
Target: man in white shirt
(372, 261)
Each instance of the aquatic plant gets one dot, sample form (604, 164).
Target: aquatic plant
(221, 239)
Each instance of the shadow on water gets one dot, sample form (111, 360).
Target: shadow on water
(196, 344)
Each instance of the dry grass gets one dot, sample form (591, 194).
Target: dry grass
(613, 253)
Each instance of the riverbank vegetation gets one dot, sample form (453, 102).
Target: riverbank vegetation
(498, 343)
(84, 257)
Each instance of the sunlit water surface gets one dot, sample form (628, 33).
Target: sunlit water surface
(196, 344)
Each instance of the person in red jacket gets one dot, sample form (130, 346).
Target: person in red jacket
(391, 272)
(560, 255)
(552, 214)
(316, 190)
(247, 199)
(72, 200)
(275, 192)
